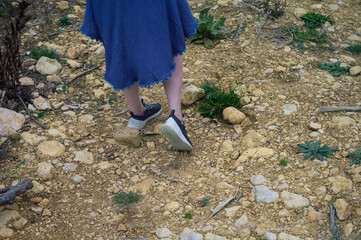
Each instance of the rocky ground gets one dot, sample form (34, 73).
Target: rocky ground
(78, 166)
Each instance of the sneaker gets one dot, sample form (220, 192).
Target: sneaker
(176, 132)
(151, 111)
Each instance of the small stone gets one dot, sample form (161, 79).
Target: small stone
(258, 179)
(36, 199)
(32, 139)
(143, 186)
(333, 7)
(53, 79)
(98, 93)
(232, 211)
(224, 185)
(300, 11)
(44, 170)
(62, 5)
(355, 38)
(348, 229)
(6, 232)
(355, 70)
(172, 206)
(191, 94)
(26, 81)
(29, 62)
(270, 236)
(233, 115)
(254, 153)
(285, 236)
(315, 126)
(150, 145)
(253, 139)
(51, 148)
(264, 194)
(316, 6)
(121, 228)
(37, 188)
(10, 121)
(289, 109)
(57, 106)
(42, 104)
(128, 136)
(77, 178)
(44, 203)
(86, 118)
(343, 209)
(73, 53)
(340, 183)
(19, 224)
(84, 157)
(343, 121)
(73, 63)
(284, 213)
(242, 221)
(227, 146)
(265, 226)
(244, 232)
(100, 52)
(189, 234)
(211, 236)
(294, 201)
(321, 191)
(47, 66)
(46, 213)
(163, 233)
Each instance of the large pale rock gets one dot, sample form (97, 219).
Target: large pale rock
(343, 209)
(340, 183)
(32, 139)
(10, 121)
(143, 186)
(191, 94)
(285, 236)
(294, 201)
(264, 194)
(355, 70)
(254, 153)
(48, 66)
(44, 170)
(51, 148)
(128, 136)
(84, 157)
(189, 234)
(233, 115)
(343, 121)
(42, 104)
(253, 139)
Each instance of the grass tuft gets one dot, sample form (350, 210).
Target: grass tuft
(355, 49)
(124, 200)
(39, 52)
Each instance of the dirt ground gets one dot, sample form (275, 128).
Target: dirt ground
(267, 80)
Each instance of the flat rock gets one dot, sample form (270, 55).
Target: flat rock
(42, 104)
(53, 79)
(189, 234)
(32, 139)
(10, 121)
(29, 62)
(232, 211)
(128, 136)
(191, 94)
(253, 139)
(51, 148)
(355, 70)
(70, 167)
(270, 236)
(300, 11)
(285, 236)
(242, 221)
(163, 233)
(233, 115)
(143, 186)
(48, 66)
(73, 63)
(62, 5)
(343, 121)
(288, 109)
(254, 153)
(340, 183)
(77, 178)
(98, 93)
(26, 81)
(72, 53)
(343, 209)
(354, 37)
(211, 236)
(6, 232)
(227, 146)
(172, 206)
(20, 224)
(6, 216)
(264, 194)
(294, 201)
(258, 179)
(84, 157)
(44, 170)
(86, 118)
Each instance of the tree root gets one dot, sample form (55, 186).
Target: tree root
(9, 194)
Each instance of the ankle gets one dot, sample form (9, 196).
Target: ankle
(139, 112)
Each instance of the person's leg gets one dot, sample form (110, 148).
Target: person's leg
(173, 88)
(132, 97)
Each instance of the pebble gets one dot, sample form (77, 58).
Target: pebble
(227, 146)
(343, 121)
(143, 186)
(340, 183)
(233, 115)
(32, 139)
(172, 206)
(77, 178)
(211, 236)
(343, 209)
(191, 94)
(128, 136)
(288, 109)
(355, 70)
(29, 62)
(285, 236)
(315, 126)
(270, 236)
(44, 170)
(19, 224)
(294, 201)
(163, 233)
(348, 229)
(253, 139)
(84, 157)
(53, 79)
(98, 93)
(189, 234)
(258, 179)
(232, 211)
(264, 194)
(10, 121)
(242, 221)
(51, 148)
(73, 63)
(26, 81)
(42, 104)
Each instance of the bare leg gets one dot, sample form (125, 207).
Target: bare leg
(132, 97)
(173, 88)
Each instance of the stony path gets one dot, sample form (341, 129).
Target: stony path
(77, 165)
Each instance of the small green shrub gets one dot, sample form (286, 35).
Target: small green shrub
(124, 200)
(209, 29)
(39, 52)
(355, 156)
(308, 35)
(283, 162)
(315, 20)
(314, 150)
(216, 100)
(188, 215)
(275, 8)
(205, 202)
(334, 68)
(355, 49)
(65, 21)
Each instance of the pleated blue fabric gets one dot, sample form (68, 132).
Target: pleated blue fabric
(140, 37)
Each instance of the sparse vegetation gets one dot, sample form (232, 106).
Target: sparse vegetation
(355, 49)
(355, 156)
(315, 20)
(275, 8)
(283, 162)
(39, 52)
(188, 215)
(205, 202)
(335, 69)
(216, 100)
(124, 200)
(65, 21)
(314, 150)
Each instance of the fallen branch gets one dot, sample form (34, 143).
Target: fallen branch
(10, 194)
(63, 31)
(30, 115)
(339, 109)
(160, 174)
(82, 73)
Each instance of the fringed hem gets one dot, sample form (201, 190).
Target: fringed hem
(194, 31)
(92, 37)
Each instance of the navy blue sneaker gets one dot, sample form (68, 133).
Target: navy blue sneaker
(176, 132)
(151, 111)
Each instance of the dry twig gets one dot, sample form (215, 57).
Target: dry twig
(85, 72)
(339, 109)
(30, 115)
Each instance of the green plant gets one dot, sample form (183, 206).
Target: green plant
(355, 49)
(19, 164)
(209, 29)
(315, 20)
(124, 200)
(65, 21)
(308, 35)
(355, 156)
(188, 215)
(216, 100)
(40, 114)
(205, 202)
(275, 8)
(313, 150)
(64, 61)
(283, 162)
(39, 52)
(334, 68)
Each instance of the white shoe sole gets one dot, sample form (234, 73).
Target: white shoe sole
(171, 130)
(138, 124)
